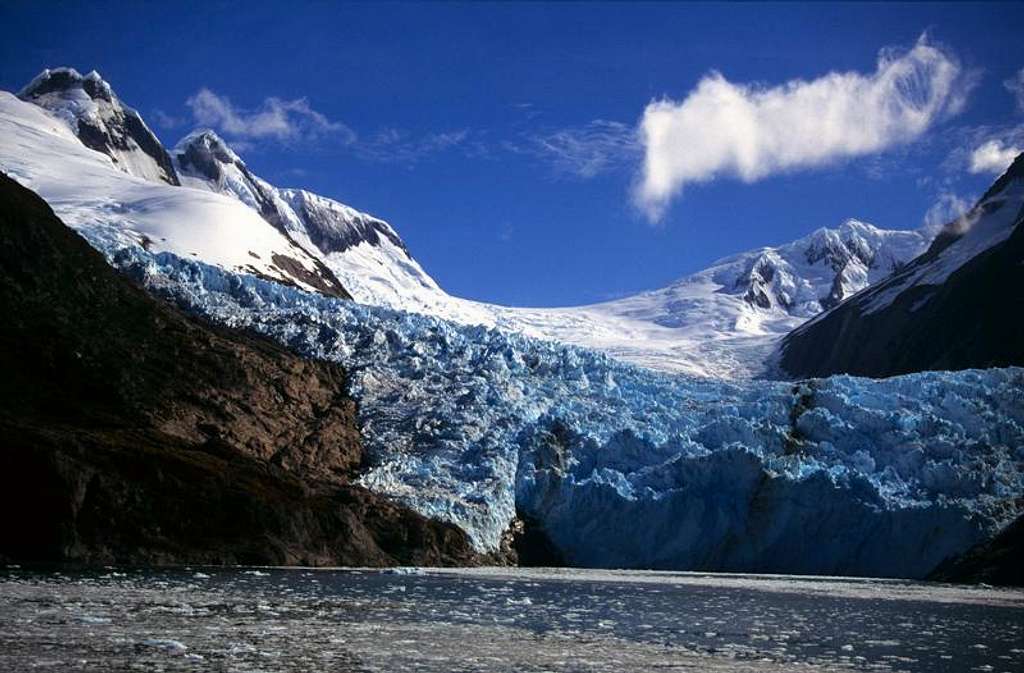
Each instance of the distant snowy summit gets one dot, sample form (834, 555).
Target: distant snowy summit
(724, 321)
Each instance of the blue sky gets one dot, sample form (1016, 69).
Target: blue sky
(501, 140)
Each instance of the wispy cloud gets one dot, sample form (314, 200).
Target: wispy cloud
(947, 207)
(397, 146)
(751, 131)
(295, 121)
(1015, 85)
(274, 119)
(582, 151)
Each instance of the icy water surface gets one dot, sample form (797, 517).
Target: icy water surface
(497, 620)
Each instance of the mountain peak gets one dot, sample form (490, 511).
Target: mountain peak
(204, 142)
(61, 79)
(89, 107)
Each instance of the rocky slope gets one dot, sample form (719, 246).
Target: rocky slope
(957, 306)
(131, 433)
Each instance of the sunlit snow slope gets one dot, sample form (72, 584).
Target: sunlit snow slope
(88, 190)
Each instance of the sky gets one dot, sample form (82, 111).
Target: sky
(543, 154)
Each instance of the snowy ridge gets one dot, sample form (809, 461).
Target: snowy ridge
(990, 222)
(987, 224)
(88, 191)
(469, 425)
(724, 322)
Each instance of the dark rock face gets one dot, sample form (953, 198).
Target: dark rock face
(974, 319)
(530, 545)
(114, 129)
(758, 281)
(332, 230)
(323, 279)
(203, 154)
(131, 433)
(998, 561)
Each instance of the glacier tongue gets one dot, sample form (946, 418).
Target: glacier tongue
(626, 467)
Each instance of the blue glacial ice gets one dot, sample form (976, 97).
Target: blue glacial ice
(625, 467)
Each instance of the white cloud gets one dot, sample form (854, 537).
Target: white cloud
(752, 131)
(583, 151)
(947, 208)
(1015, 85)
(275, 119)
(992, 157)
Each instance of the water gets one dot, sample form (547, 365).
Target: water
(203, 619)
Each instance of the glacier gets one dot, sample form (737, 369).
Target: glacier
(628, 467)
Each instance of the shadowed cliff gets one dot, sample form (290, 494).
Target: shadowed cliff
(131, 433)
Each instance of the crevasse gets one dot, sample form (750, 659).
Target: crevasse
(626, 467)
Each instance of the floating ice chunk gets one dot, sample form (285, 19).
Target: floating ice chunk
(175, 647)
(403, 571)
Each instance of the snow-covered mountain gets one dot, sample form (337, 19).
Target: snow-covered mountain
(618, 465)
(89, 107)
(364, 252)
(958, 305)
(90, 191)
(724, 321)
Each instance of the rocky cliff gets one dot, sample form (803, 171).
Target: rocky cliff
(131, 433)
